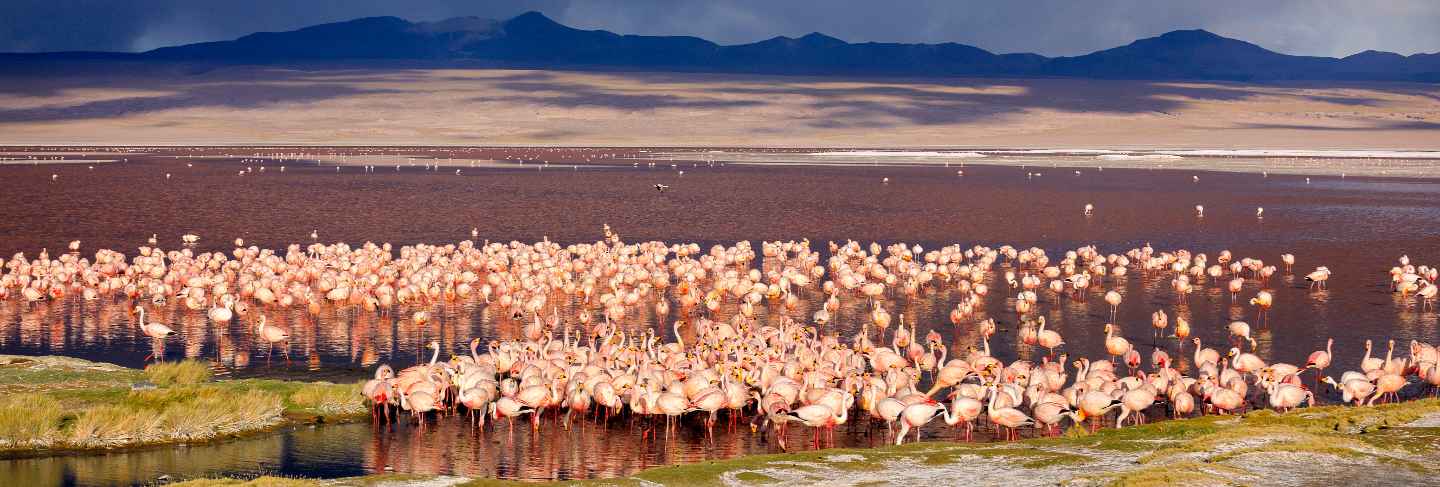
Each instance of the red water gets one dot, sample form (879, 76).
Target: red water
(1355, 226)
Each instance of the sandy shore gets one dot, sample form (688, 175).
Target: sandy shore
(255, 105)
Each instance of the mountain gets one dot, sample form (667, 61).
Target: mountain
(1194, 54)
(534, 40)
(367, 38)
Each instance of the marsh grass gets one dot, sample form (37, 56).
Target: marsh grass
(28, 420)
(175, 414)
(188, 372)
(73, 404)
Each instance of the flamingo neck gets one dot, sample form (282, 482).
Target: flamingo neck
(435, 356)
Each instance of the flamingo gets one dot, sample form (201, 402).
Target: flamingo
(917, 415)
(379, 391)
(1262, 301)
(819, 416)
(1241, 330)
(156, 331)
(273, 335)
(1113, 298)
(966, 409)
(1049, 339)
(1319, 360)
(1317, 278)
(1370, 364)
(1115, 345)
(1007, 417)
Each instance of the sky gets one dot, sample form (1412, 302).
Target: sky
(1049, 27)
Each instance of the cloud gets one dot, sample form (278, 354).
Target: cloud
(1051, 27)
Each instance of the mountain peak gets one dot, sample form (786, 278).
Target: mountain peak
(532, 18)
(820, 39)
(1192, 35)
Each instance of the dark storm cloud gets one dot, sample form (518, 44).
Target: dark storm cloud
(1052, 27)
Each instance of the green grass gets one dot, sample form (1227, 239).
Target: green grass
(61, 403)
(755, 478)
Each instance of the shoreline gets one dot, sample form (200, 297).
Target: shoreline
(1382, 164)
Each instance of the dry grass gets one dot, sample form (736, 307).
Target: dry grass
(28, 420)
(178, 373)
(176, 414)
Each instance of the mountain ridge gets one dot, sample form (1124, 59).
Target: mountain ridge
(532, 39)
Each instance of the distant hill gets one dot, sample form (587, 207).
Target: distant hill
(534, 40)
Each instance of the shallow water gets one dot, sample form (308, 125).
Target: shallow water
(1356, 226)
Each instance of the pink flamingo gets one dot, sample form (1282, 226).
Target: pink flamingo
(156, 331)
(273, 335)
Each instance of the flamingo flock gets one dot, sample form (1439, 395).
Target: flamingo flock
(776, 377)
(735, 346)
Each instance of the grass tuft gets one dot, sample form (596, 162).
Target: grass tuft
(28, 420)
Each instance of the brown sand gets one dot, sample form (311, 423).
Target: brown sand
(267, 105)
